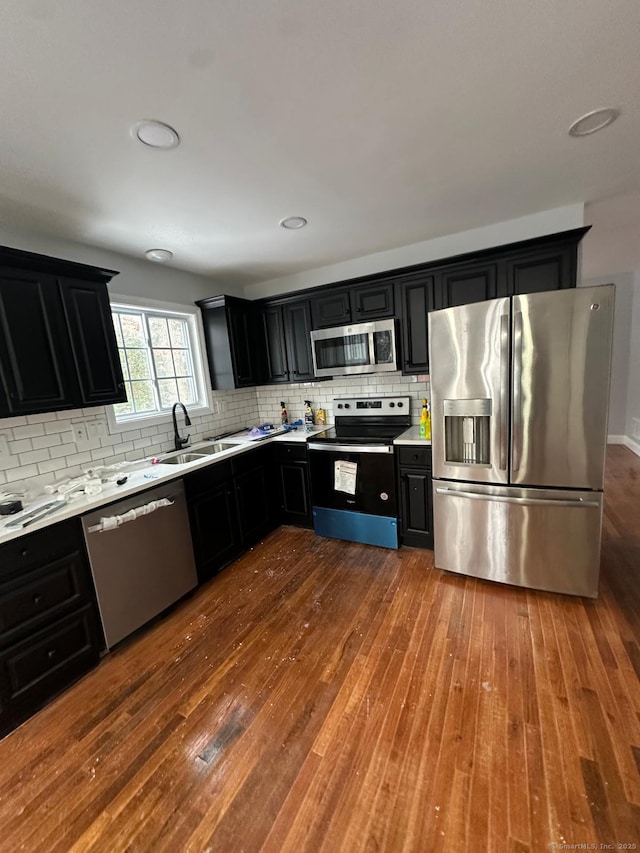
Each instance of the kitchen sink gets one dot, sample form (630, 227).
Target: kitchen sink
(216, 447)
(182, 458)
(199, 454)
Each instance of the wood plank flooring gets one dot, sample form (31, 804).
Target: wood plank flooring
(329, 696)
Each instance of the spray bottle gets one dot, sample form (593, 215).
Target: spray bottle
(308, 415)
(284, 417)
(425, 421)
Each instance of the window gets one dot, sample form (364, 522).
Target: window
(160, 356)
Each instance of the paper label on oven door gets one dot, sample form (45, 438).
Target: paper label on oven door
(345, 477)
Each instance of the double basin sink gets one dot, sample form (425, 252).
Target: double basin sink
(199, 454)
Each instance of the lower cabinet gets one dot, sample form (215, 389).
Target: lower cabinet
(293, 478)
(214, 518)
(416, 498)
(231, 507)
(50, 633)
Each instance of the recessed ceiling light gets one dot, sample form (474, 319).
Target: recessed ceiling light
(161, 256)
(593, 121)
(156, 134)
(293, 222)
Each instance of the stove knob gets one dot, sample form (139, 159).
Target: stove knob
(391, 405)
(347, 406)
(400, 405)
(339, 405)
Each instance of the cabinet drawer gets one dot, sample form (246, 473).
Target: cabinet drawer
(207, 478)
(45, 546)
(414, 456)
(42, 595)
(292, 452)
(39, 667)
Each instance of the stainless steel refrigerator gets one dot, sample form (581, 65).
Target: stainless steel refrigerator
(519, 397)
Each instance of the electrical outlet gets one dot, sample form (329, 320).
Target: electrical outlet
(4, 445)
(96, 429)
(80, 434)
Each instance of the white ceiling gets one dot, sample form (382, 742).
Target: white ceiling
(384, 122)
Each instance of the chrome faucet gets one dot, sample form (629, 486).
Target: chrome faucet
(179, 441)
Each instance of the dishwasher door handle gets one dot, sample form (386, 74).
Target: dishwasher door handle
(112, 522)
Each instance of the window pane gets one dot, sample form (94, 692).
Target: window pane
(125, 408)
(168, 391)
(163, 362)
(178, 332)
(123, 363)
(182, 362)
(143, 396)
(186, 391)
(118, 331)
(139, 367)
(158, 332)
(133, 330)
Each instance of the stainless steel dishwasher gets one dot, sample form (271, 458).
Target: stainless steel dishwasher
(141, 557)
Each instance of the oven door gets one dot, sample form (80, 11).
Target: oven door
(356, 478)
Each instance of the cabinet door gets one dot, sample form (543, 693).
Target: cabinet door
(215, 529)
(253, 502)
(372, 302)
(463, 285)
(331, 309)
(416, 507)
(37, 369)
(553, 269)
(274, 335)
(297, 326)
(242, 340)
(295, 492)
(88, 313)
(417, 301)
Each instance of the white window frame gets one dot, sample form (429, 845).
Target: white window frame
(200, 367)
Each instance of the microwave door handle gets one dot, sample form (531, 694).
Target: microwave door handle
(372, 351)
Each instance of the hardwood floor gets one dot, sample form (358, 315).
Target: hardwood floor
(329, 696)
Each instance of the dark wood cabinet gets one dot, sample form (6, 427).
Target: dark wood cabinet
(331, 308)
(49, 629)
(213, 515)
(464, 284)
(93, 341)
(417, 299)
(287, 330)
(372, 301)
(254, 483)
(552, 268)
(57, 344)
(234, 344)
(295, 491)
(416, 496)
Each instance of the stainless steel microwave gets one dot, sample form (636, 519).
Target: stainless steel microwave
(360, 348)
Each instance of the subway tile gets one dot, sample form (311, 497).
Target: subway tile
(46, 441)
(53, 427)
(10, 423)
(20, 446)
(23, 472)
(29, 431)
(34, 456)
(52, 465)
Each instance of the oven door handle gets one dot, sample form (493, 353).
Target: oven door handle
(351, 448)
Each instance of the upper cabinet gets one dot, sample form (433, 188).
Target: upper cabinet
(417, 300)
(234, 351)
(552, 268)
(331, 308)
(57, 347)
(287, 334)
(461, 284)
(373, 301)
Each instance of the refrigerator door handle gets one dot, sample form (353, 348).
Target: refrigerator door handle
(478, 496)
(504, 384)
(516, 446)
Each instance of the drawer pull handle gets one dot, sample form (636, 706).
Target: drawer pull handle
(24, 552)
(37, 599)
(51, 654)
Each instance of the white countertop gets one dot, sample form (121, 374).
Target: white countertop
(145, 476)
(412, 436)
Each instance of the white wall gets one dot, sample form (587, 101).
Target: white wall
(633, 387)
(136, 277)
(499, 234)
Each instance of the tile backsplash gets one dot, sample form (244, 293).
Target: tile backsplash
(41, 449)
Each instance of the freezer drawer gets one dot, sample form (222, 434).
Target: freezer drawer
(537, 538)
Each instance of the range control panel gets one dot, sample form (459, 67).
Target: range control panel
(372, 406)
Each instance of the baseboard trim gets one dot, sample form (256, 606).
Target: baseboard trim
(631, 443)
